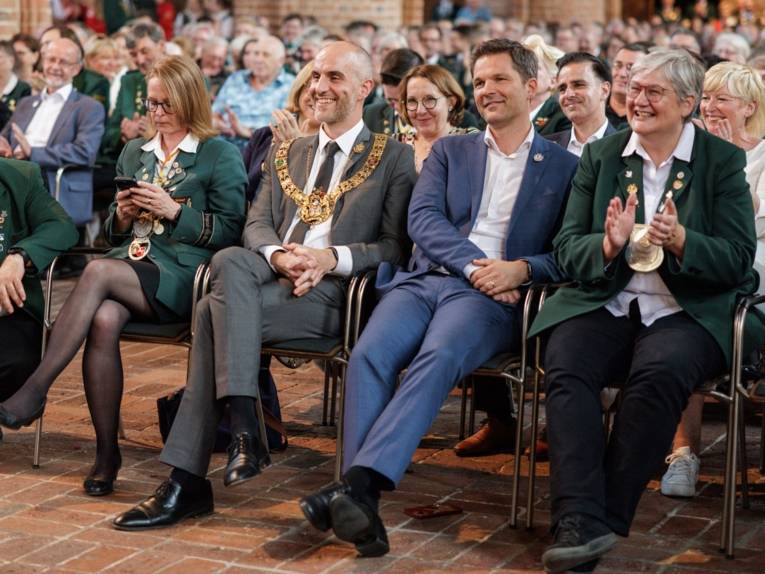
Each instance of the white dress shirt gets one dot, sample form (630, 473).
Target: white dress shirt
(50, 106)
(12, 81)
(654, 298)
(576, 147)
(501, 184)
(535, 111)
(189, 144)
(114, 88)
(318, 236)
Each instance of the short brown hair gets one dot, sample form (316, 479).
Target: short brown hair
(443, 80)
(524, 60)
(187, 92)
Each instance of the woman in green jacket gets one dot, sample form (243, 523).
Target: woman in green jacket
(182, 198)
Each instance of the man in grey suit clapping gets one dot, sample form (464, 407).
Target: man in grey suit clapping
(329, 206)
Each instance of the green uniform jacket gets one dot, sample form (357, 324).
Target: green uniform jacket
(94, 85)
(129, 101)
(20, 90)
(550, 118)
(714, 205)
(209, 185)
(32, 220)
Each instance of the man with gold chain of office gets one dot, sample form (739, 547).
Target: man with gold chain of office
(328, 207)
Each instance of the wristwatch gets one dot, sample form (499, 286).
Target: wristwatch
(529, 273)
(337, 257)
(29, 267)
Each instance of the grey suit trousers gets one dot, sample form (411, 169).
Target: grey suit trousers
(248, 306)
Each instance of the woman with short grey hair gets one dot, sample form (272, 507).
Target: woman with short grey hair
(658, 238)
(733, 47)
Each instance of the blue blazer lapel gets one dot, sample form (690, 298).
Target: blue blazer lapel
(536, 164)
(476, 163)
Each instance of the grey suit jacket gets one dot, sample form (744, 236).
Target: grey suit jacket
(74, 140)
(370, 219)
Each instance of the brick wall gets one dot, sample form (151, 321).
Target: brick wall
(23, 16)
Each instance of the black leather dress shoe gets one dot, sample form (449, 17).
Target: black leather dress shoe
(167, 506)
(315, 506)
(98, 486)
(10, 420)
(246, 458)
(355, 522)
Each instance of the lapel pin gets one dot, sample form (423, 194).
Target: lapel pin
(632, 188)
(358, 148)
(175, 165)
(677, 184)
(628, 173)
(145, 176)
(538, 157)
(680, 174)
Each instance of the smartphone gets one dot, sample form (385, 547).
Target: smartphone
(432, 511)
(124, 182)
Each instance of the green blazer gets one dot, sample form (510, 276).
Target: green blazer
(20, 90)
(209, 185)
(550, 118)
(714, 205)
(129, 101)
(94, 85)
(32, 220)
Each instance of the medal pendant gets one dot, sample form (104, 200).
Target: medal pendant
(159, 229)
(138, 249)
(142, 227)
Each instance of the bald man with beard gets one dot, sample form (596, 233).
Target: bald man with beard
(289, 279)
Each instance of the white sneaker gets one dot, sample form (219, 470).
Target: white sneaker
(682, 474)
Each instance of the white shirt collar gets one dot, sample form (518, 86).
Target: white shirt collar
(188, 144)
(345, 141)
(12, 81)
(594, 137)
(491, 143)
(535, 111)
(63, 92)
(682, 150)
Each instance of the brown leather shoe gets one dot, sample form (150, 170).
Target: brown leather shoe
(542, 447)
(493, 437)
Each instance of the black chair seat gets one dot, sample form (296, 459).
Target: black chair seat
(169, 332)
(497, 364)
(309, 348)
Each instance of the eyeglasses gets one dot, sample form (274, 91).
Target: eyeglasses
(53, 60)
(652, 93)
(153, 105)
(428, 102)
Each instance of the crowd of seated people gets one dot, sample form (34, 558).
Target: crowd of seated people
(463, 160)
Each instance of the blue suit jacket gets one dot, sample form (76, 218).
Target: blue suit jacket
(74, 140)
(447, 197)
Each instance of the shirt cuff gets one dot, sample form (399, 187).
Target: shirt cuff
(267, 251)
(468, 270)
(344, 265)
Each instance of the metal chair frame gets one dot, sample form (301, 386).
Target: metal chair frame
(727, 389)
(185, 339)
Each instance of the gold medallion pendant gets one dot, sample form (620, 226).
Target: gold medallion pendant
(318, 206)
(642, 255)
(139, 248)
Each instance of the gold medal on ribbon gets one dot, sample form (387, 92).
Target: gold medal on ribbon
(139, 248)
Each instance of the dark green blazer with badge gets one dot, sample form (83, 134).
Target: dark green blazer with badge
(550, 118)
(209, 185)
(715, 207)
(94, 85)
(130, 100)
(30, 219)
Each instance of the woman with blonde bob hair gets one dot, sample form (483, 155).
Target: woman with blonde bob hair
(546, 114)
(180, 198)
(732, 108)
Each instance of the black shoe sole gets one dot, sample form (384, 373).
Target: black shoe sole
(313, 518)
(352, 524)
(194, 514)
(558, 560)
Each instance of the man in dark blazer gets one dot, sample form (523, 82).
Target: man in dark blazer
(329, 206)
(483, 215)
(33, 230)
(60, 127)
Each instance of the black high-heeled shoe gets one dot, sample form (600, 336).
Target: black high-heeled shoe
(10, 420)
(100, 485)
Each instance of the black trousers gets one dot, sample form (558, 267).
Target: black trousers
(20, 341)
(660, 365)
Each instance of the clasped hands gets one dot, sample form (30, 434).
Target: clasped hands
(304, 266)
(147, 197)
(22, 150)
(500, 279)
(664, 229)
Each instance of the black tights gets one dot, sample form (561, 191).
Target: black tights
(107, 295)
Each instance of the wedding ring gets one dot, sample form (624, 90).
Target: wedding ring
(491, 284)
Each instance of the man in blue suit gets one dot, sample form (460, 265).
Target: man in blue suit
(483, 215)
(59, 127)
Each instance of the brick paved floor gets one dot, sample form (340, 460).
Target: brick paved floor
(48, 525)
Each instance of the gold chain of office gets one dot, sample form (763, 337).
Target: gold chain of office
(319, 205)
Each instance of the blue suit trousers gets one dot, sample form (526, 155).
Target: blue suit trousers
(440, 329)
